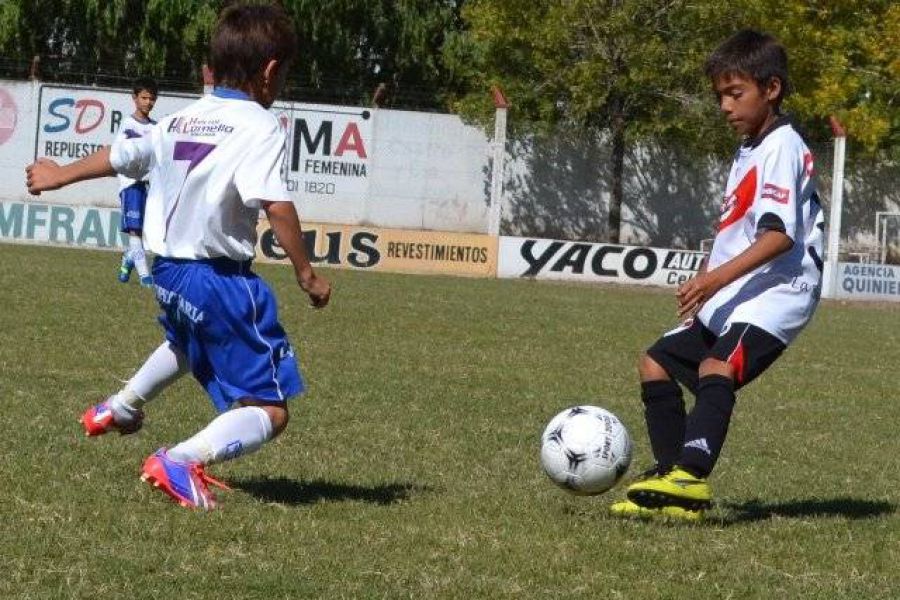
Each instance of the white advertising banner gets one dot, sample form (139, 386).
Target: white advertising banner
(863, 281)
(73, 122)
(329, 158)
(594, 262)
(344, 165)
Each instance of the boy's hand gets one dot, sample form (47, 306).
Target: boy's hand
(318, 289)
(692, 294)
(43, 175)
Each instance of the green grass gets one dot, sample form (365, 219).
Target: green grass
(410, 469)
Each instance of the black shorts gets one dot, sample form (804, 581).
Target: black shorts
(749, 349)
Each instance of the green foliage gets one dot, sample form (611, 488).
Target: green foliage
(586, 61)
(355, 45)
(124, 37)
(348, 47)
(845, 61)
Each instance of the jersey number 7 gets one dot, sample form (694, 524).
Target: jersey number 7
(194, 153)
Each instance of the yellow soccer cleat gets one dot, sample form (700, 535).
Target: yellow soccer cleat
(675, 489)
(676, 513)
(626, 509)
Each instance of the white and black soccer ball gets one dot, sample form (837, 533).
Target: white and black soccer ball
(585, 449)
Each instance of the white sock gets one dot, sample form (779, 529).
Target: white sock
(234, 433)
(161, 368)
(136, 250)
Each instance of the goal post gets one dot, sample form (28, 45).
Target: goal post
(830, 273)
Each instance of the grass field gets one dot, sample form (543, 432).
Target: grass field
(410, 469)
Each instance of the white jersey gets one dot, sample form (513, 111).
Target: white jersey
(210, 164)
(132, 128)
(771, 187)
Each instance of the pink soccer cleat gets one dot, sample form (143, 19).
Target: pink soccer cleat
(98, 420)
(184, 482)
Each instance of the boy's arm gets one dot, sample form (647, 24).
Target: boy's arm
(701, 288)
(286, 225)
(44, 174)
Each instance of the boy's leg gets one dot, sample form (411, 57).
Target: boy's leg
(133, 200)
(139, 257)
(256, 368)
(708, 422)
(675, 355)
(180, 472)
(738, 357)
(674, 358)
(664, 413)
(234, 433)
(122, 411)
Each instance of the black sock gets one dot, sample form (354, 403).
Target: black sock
(664, 414)
(707, 425)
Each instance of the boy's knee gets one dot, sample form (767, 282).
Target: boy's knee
(277, 413)
(714, 366)
(650, 370)
(279, 417)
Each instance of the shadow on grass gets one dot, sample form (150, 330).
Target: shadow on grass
(288, 491)
(849, 508)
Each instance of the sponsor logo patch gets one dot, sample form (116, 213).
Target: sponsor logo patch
(780, 195)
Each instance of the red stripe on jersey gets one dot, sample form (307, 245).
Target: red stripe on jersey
(738, 202)
(738, 361)
(780, 195)
(808, 167)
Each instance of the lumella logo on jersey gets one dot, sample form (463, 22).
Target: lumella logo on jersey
(197, 127)
(739, 201)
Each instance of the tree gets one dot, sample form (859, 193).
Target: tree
(845, 61)
(624, 69)
(630, 71)
(347, 47)
(119, 39)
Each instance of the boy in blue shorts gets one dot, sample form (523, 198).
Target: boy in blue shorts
(758, 289)
(133, 192)
(212, 166)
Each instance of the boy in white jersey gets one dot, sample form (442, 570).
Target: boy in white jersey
(133, 192)
(212, 166)
(758, 289)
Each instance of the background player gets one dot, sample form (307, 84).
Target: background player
(212, 166)
(133, 192)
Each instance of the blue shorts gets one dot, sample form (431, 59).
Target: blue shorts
(133, 199)
(224, 319)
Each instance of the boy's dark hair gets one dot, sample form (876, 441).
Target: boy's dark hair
(246, 38)
(752, 54)
(144, 84)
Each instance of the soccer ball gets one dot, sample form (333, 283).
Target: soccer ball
(585, 449)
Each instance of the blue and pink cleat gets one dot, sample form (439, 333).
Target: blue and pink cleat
(184, 482)
(99, 419)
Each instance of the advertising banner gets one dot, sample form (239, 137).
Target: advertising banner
(343, 164)
(39, 223)
(329, 151)
(392, 250)
(594, 262)
(864, 281)
(75, 122)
